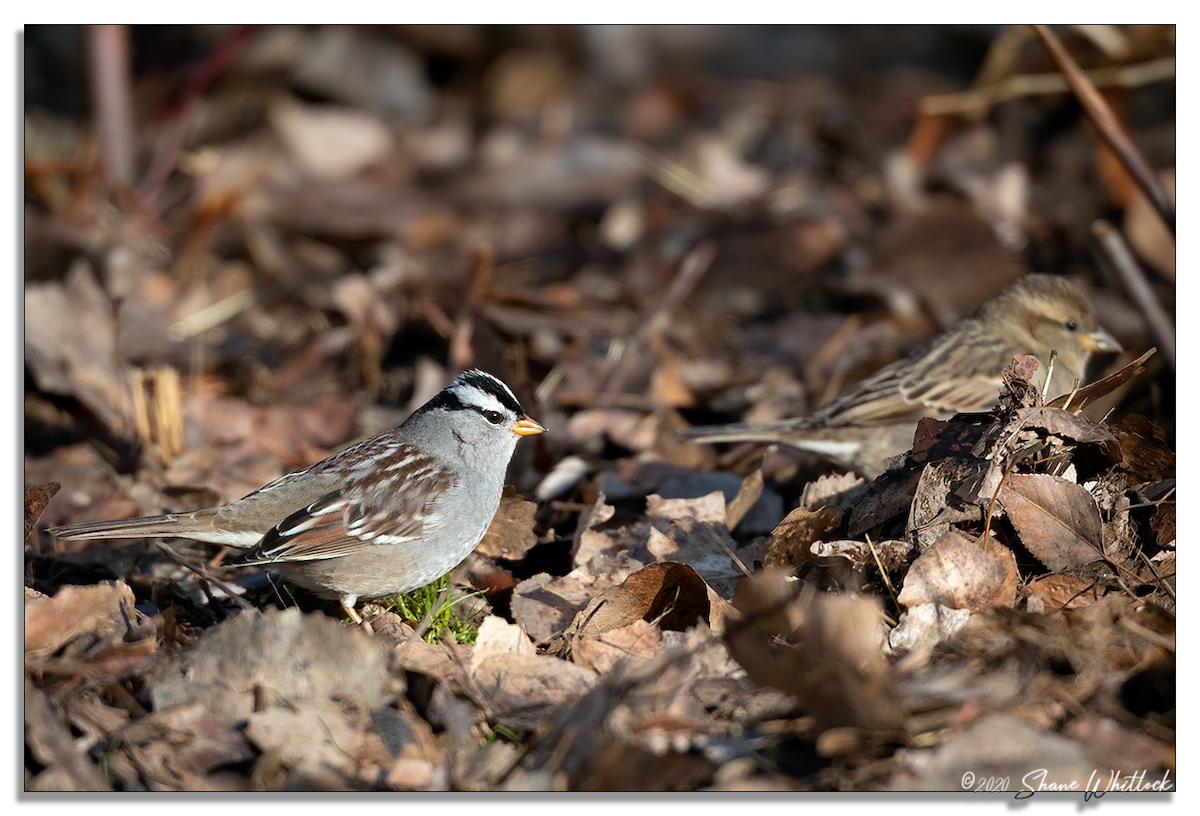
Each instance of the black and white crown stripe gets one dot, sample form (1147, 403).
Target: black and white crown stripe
(478, 391)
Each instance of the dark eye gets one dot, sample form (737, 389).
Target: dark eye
(494, 417)
(1072, 325)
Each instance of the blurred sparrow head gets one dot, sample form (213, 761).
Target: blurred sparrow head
(957, 371)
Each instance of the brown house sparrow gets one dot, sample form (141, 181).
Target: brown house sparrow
(957, 371)
(382, 517)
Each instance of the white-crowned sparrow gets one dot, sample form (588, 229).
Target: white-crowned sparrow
(957, 371)
(384, 516)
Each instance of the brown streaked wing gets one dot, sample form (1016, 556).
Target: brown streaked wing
(369, 510)
(919, 385)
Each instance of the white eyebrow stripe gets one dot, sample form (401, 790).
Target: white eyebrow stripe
(480, 399)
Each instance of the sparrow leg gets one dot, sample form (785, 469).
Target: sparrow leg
(347, 602)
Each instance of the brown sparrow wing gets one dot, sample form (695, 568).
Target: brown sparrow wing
(956, 372)
(383, 504)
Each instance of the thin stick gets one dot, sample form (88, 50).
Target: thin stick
(1117, 253)
(108, 47)
(205, 574)
(1109, 128)
(976, 101)
(179, 114)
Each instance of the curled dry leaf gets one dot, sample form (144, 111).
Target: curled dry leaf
(1088, 394)
(49, 740)
(1163, 523)
(962, 574)
(792, 540)
(588, 541)
(95, 631)
(936, 502)
(1058, 521)
(671, 595)
(923, 626)
(822, 649)
(830, 489)
(313, 746)
(709, 508)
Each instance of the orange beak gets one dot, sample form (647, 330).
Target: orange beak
(527, 427)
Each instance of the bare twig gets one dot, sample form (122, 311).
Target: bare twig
(1117, 253)
(1109, 128)
(977, 101)
(180, 112)
(112, 99)
(205, 575)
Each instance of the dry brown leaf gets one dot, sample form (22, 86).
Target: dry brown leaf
(51, 742)
(709, 508)
(823, 649)
(82, 622)
(590, 542)
(497, 636)
(545, 605)
(829, 489)
(1058, 521)
(792, 541)
(602, 653)
(962, 573)
(282, 657)
(329, 143)
(1060, 591)
(295, 435)
(71, 346)
(511, 535)
(313, 746)
(590, 428)
(1121, 747)
(524, 692)
(1062, 423)
(703, 546)
(1145, 455)
(747, 495)
(923, 626)
(671, 595)
(1163, 523)
(936, 503)
(889, 555)
(403, 748)
(1091, 392)
(175, 748)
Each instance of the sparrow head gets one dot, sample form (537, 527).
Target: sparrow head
(1047, 312)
